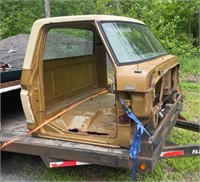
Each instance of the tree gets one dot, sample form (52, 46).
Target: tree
(199, 27)
(18, 16)
(174, 22)
(47, 8)
(118, 6)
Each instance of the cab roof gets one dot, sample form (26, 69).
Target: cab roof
(35, 31)
(76, 18)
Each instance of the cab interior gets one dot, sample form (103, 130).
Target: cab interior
(75, 67)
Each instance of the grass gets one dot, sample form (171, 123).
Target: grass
(189, 66)
(177, 169)
(191, 93)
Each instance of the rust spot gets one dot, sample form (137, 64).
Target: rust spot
(75, 130)
(123, 119)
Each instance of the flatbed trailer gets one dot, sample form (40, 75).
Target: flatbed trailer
(56, 153)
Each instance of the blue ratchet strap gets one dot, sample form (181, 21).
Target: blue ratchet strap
(136, 142)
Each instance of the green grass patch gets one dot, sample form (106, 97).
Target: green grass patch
(190, 86)
(190, 66)
(191, 109)
(57, 174)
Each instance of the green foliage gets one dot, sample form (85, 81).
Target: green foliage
(189, 66)
(72, 7)
(17, 16)
(175, 23)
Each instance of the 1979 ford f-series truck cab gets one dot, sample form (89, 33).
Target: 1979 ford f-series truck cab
(70, 59)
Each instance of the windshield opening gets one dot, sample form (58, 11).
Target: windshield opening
(131, 42)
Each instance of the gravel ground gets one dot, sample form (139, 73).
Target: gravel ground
(12, 50)
(19, 167)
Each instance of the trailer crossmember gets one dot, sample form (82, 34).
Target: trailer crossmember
(188, 125)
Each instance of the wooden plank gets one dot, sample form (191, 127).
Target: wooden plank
(9, 84)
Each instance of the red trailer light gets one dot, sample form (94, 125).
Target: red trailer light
(172, 153)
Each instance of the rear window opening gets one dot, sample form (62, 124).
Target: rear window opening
(68, 42)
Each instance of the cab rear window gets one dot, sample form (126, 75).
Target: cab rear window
(68, 42)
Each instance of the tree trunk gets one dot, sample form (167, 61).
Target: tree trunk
(117, 6)
(47, 8)
(199, 26)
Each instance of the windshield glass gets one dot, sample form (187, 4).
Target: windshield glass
(131, 42)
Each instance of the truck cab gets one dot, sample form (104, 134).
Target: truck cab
(71, 59)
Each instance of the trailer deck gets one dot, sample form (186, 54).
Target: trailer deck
(13, 124)
(61, 149)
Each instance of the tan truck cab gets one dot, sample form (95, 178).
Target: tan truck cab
(72, 58)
